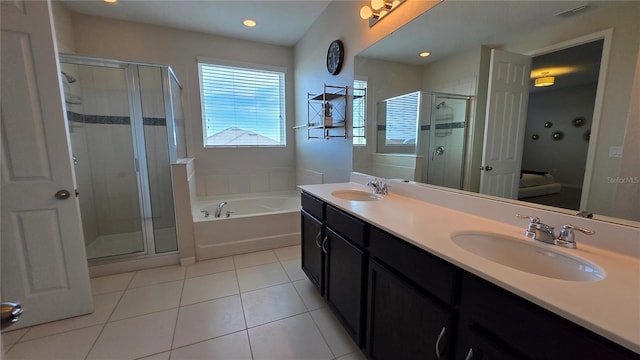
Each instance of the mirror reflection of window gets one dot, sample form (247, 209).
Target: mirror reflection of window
(359, 112)
(401, 119)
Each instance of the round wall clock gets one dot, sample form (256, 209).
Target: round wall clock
(335, 57)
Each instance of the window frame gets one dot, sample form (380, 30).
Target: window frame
(244, 66)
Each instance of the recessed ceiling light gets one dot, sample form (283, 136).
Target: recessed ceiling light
(110, 1)
(249, 22)
(425, 53)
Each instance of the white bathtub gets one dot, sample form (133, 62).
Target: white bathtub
(255, 222)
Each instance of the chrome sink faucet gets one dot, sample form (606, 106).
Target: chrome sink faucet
(219, 209)
(378, 186)
(536, 230)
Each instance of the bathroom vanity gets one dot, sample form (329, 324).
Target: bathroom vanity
(403, 289)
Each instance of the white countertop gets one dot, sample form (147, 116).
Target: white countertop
(609, 307)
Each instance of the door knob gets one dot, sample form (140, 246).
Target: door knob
(62, 194)
(10, 314)
(486, 168)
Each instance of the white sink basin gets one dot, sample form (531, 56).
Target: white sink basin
(524, 255)
(356, 195)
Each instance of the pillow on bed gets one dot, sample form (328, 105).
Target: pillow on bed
(528, 179)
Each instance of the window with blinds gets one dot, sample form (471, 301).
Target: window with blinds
(359, 112)
(242, 107)
(402, 119)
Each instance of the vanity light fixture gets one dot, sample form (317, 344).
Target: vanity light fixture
(378, 9)
(545, 80)
(249, 23)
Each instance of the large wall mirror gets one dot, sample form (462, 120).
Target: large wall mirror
(560, 135)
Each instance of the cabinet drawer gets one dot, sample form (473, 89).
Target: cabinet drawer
(427, 271)
(346, 225)
(312, 205)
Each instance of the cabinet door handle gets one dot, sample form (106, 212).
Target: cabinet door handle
(318, 238)
(324, 249)
(440, 337)
(469, 354)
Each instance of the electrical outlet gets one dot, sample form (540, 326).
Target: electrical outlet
(615, 151)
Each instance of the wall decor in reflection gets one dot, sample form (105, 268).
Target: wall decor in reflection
(557, 136)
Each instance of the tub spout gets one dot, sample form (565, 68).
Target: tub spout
(219, 209)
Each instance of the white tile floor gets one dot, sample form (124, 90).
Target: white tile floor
(251, 306)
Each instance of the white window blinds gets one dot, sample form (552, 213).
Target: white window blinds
(359, 112)
(242, 106)
(402, 119)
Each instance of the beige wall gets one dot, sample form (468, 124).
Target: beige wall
(219, 171)
(319, 160)
(384, 80)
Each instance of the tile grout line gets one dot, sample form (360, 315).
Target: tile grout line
(244, 315)
(109, 317)
(175, 323)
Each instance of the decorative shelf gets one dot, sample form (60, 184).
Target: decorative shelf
(327, 112)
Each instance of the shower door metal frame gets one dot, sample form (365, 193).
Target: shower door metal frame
(172, 140)
(140, 152)
(137, 131)
(467, 100)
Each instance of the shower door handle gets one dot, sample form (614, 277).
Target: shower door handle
(62, 194)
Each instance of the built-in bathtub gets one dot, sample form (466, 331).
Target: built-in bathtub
(247, 223)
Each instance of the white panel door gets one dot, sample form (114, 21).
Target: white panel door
(44, 265)
(505, 123)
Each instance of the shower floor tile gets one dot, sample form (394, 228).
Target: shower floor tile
(251, 306)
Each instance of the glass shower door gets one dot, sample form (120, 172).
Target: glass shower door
(447, 141)
(105, 158)
(158, 159)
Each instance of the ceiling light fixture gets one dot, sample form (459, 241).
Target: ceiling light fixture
(425, 53)
(545, 80)
(110, 1)
(249, 23)
(378, 10)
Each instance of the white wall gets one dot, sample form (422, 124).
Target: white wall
(384, 80)
(219, 171)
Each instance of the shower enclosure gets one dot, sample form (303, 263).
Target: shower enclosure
(430, 126)
(126, 127)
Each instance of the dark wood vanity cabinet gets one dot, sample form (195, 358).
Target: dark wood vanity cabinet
(312, 230)
(398, 301)
(334, 259)
(411, 312)
(345, 283)
(312, 258)
(496, 324)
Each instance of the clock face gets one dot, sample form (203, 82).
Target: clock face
(335, 56)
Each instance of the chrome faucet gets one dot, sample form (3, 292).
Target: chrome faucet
(219, 209)
(378, 186)
(536, 230)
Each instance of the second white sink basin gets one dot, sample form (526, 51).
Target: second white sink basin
(356, 195)
(524, 255)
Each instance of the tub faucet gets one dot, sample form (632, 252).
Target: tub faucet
(219, 209)
(545, 233)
